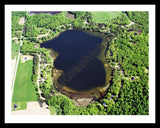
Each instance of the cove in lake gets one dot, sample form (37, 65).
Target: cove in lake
(84, 73)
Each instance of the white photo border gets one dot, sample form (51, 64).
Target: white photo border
(9, 118)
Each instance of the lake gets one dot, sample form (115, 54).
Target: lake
(78, 58)
(46, 12)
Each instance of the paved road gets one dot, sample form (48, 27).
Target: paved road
(16, 65)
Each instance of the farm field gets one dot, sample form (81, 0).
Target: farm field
(100, 16)
(24, 90)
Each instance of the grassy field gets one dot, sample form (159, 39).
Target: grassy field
(21, 106)
(103, 16)
(15, 48)
(24, 90)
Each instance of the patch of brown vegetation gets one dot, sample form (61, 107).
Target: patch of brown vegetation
(69, 15)
(83, 101)
(56, 73)
(21, 21)
(106, 65)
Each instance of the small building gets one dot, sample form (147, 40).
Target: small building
(116, 66)
(110, 98)
(15, 106)
(86, 22)
(43, 78)
(25, 58)
(104, 104)
(112, 95)
(133, 43)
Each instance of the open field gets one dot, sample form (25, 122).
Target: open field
(102, 16)
(24, 90)
(33, 108)
(24, 58)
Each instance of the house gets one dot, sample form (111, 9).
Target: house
(15, 106)
(42, 80)
(112, 95)
(133, 43)
(110, 98)
(104, 104)
(86, 22)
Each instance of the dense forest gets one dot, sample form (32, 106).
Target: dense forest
(127, 53)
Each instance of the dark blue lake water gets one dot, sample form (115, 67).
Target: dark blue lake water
(78, 59)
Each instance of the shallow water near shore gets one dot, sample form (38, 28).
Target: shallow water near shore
(81, 61)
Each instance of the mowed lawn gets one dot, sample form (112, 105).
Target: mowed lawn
(24, 90)
(102, 16)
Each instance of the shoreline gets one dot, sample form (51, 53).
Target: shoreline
(94, 93)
